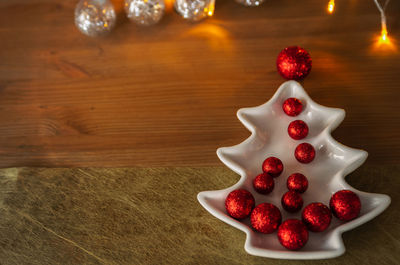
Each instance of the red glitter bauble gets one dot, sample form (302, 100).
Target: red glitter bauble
(304, 153)
(272, 166)
(293, 234)
(298, 129)
(292, 106)
(316, 216)
(266, 218)
(297, 182)
(345, 205)
(292, 201)
(263, 183)
(239, 203)
(294, 63)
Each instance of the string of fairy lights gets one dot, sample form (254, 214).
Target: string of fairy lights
(383, 38)
(97, 17)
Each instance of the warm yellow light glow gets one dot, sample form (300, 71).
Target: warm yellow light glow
(217, 37)
(210, 10)
(384, 38)
(384, 33)
(384, 43)
(331, 6)
(169, 5)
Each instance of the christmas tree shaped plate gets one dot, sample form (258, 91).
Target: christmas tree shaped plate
(333, 161)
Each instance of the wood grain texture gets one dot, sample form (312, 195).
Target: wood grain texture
(167, 95)
(151, 216)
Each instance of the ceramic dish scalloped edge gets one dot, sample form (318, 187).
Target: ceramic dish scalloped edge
(336, 159)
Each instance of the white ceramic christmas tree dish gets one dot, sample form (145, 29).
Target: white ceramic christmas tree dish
(333, 161)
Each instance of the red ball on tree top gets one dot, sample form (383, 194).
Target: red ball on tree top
(292, 201)
(272, 166)
(317, 217)
(263, 183)
(266, 218)
(304, 153)
(293, 234)
(298, 129)
(294, 63)
(297, 182)
(239, 203)
(345, 205)
(292, 106)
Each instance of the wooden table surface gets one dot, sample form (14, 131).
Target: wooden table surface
(167, 95)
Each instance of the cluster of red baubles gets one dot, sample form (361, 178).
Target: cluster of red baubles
(298, 130)
(267, 218)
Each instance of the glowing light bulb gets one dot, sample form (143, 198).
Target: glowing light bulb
(211, 8)
(331, 6)
(383, 41)
(384, 33)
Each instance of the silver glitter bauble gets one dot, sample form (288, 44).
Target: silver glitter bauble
(194, 9)
(250, 2)
(95, 17)
(144, 12)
